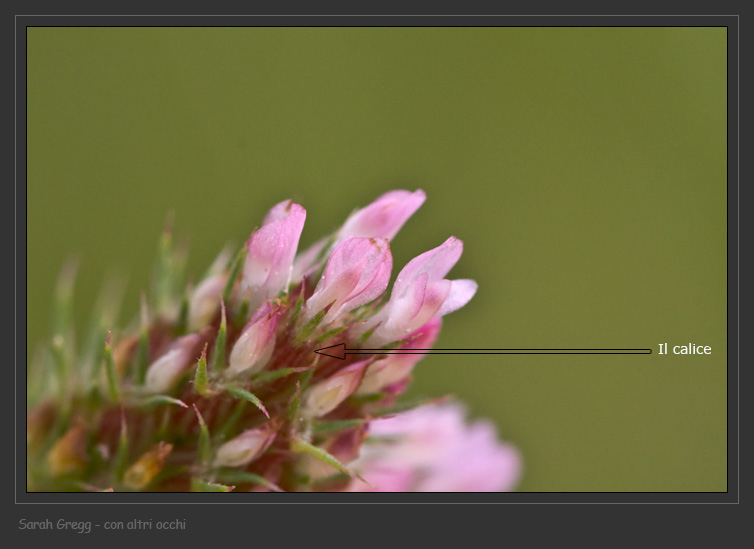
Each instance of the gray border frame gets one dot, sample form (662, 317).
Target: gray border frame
(21, 497)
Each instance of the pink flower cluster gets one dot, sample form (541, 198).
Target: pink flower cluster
(356, 273)
(335, 287)
(433, 449)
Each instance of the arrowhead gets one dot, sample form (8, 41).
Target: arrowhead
(336, 351)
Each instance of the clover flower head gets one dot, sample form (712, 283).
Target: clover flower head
(217, 387)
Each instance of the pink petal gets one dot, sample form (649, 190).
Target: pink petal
(393, 368)
(384, 217)
(272, 249)
(333, 293)
(420, 303)
(461, 292)
(384, 478)
(279, 211)
(358, 272)
(253, 348)
(445, 453)
(374, 279)
(436, 263)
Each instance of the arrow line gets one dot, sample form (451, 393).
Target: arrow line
(339, 351)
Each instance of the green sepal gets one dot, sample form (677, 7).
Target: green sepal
(230, 424)
(243, 477)
(272, 375)
(363, 337)
(309, 328)
(142, 357)
(121, 457)
(300, 446)
(113, 387)
(242, 313)
(199, 485)
(335, 477)
(295, 405)
(201, 380)
(162, 399)
(143, 354)
(218, 354)
(297, 309)
(246, 395)
(331, 333)
(204, 446)
(105, 314)
(323, 427)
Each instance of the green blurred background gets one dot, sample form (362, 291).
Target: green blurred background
(585, 169)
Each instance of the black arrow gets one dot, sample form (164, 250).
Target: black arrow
(339, 351)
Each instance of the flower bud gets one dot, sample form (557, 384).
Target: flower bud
(69, 455)
(358, 272)
(271, 250)
(256, 343)
(245, 447)
(205, 301)
(384, 217)
(168, 369)
(394, 368)
(420, 293)
(141, 473)
(325, 396)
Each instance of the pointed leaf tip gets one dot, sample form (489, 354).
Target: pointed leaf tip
(205, 448)
(163, 399)
(300, 446)
(251, 397)
(199, 485)
(201, 380)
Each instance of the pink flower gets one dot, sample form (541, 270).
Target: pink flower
(433, 449)
(255, 345)
(245, 447)
(391, 369)
(420, 293)
(170, 367)
(384, 217)
(326, 395)
(271, 251)
(358, 272)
